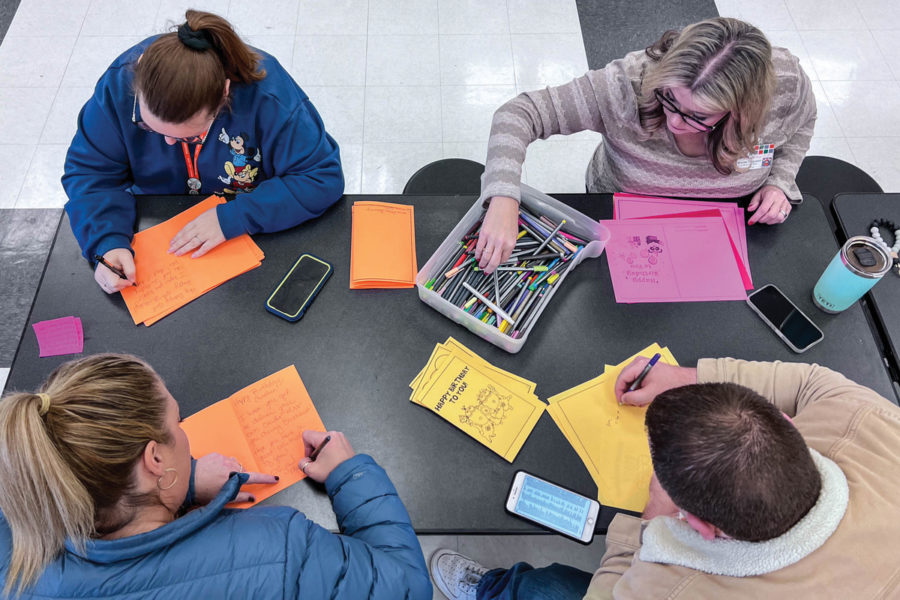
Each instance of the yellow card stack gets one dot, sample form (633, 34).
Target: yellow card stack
(493, 406)
(609, 438)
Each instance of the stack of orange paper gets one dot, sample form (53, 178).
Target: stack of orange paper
(260, 426)
(382, 246)
(167, 282)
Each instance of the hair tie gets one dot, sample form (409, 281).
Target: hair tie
(45, 403)
(196, 40)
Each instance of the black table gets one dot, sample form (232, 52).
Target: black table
(854, 214)
(358, 350)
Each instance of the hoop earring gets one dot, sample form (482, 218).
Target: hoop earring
(174, 481)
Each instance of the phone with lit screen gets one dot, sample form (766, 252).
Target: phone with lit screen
(553, 507)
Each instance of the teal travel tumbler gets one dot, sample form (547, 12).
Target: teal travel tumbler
(857, 266)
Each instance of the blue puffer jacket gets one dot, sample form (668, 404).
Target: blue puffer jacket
(262, 552)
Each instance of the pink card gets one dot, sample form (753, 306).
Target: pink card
(672, 260)
(60, 336)
(631, 206)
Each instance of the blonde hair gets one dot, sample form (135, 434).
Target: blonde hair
(65, 474)
(727, 66)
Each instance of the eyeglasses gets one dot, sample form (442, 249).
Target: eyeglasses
(193, 139)
(692, 122)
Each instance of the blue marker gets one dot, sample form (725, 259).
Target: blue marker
(640, 378)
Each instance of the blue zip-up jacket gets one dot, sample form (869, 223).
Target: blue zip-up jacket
(268, 152)
(259, 553)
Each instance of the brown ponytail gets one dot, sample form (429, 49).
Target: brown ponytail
(64, 473)
(177, 79)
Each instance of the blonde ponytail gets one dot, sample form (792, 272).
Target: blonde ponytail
(64, 473)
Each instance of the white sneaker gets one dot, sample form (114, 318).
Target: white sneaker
(455, 575)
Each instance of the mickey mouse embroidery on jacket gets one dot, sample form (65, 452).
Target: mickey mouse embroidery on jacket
(240, 173)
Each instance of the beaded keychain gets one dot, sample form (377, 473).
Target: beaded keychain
(894, 251)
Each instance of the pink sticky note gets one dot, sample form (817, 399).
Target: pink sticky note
(632, 206)
(59, 336)
(672, 260)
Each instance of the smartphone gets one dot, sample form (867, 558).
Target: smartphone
(783, 316)
(553, 507)
(299, 287)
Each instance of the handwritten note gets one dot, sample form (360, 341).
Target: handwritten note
(167, 282)
(382, 246)
(609, 438)
(59, 336)
(261, 427)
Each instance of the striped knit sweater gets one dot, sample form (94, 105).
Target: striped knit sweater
(633, 160)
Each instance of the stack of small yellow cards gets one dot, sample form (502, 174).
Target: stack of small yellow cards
(493, 406)
(609, 438)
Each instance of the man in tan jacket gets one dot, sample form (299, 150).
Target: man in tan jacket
(743, 503)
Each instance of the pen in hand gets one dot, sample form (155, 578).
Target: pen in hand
(640, 378)
(315, 453)
(115, 270)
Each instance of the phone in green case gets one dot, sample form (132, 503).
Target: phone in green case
(299, 287)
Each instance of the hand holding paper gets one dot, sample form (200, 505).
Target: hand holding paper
(213, 470)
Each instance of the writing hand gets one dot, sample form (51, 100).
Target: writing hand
(337, 451)
(213, 470)
(497, 236)
(771, 206)
(202, 235)
(110, 281)
(662, 377)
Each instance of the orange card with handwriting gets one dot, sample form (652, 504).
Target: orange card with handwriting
(382, 246)
(167, 282)
(261, 427)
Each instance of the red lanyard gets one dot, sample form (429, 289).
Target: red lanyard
(193, 181)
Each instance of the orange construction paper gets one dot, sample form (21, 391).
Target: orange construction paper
(167, 282)
(383, 246)
(261, 426)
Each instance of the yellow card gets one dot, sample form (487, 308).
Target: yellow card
(472, 400)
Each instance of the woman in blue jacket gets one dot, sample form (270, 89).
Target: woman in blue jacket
(95, 471)
(195, 111)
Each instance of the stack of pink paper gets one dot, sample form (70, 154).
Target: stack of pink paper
(668, 250)
(59, 336)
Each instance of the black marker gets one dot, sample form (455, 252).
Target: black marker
(640, 378)
(115, 270)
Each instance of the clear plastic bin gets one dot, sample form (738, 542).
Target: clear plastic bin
(539, 203)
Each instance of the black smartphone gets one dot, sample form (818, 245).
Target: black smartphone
(785, 319)
(299, 287)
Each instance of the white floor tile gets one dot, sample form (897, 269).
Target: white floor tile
(264, 17)
(63, 118)
(92, 55)
(12, 172)
(329, 60)
(825, 14)
(403, 114)
(477, 60)
(42, 187)
(279, 46)
(836, 147)
(865, 108)
(558, 167)
(402, 60)
(34, 61)
(341, 109)
(333, 17)
(790, 39)
(473, 16)
(171, 12)
(111, 17)
(4, 373)
(767, 15)
(23, 112)
(887, 42)
(386, 167)
(880, 14)
(48, 18)
(403, 17)
(845, 55)
(826, 123)
(467, 111)
(351, 162)
(879, 158)
(547, 59)
(476, 151)
(540, 16)
(729, 8)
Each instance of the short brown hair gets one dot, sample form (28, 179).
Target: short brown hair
(176, 81)
(728, 456)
